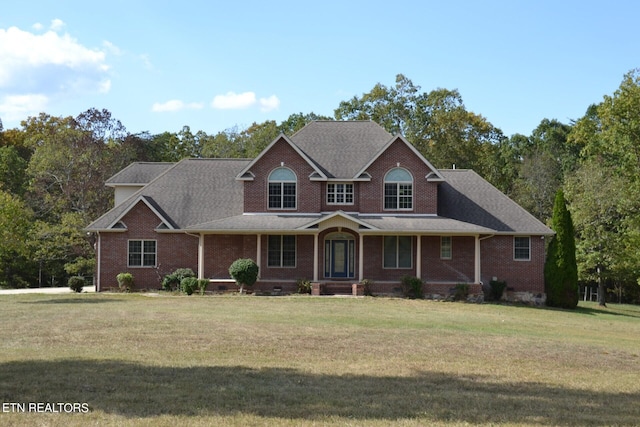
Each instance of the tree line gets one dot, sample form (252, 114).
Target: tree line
(53, 169)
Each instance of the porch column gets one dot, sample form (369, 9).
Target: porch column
(258, 251)
(201, 256)
(99, 263)
(361, 258)
(419, 257)
(477, 260)
(315, 257)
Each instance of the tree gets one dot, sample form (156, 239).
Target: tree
(244, 271)
(15, 225)
(560, 269)
(603, 206)
(436, 123)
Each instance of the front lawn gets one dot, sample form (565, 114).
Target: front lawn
(171, 360)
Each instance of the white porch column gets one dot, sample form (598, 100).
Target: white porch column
(419, 257)
(201, 256)
(315, 257)
(361, 258)
(98, 262)
(477, 260)
(258, 251)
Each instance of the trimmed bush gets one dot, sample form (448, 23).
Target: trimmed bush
(188, 285)
(244, 271)
(412, 287)
(125, 281)
(76, 283)
(172, 282)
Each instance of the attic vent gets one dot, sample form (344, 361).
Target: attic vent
(119, 226)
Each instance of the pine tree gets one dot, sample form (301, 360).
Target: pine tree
(560, 269)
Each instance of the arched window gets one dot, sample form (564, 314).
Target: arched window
(282, 189)
(398, 190)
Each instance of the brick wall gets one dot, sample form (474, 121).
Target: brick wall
(174, 250)
(497, 261)
(425, 194)
(309, 197)
(460, 268)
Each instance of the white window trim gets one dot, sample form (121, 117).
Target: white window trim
(282, 182)
(398, 254)
(142, 253)
(344, 193)
(450, 247)
(514, 249)
(397, 184)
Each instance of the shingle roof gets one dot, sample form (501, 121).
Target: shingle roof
(204, 194)
(192, 191)
(138, 173)
(341, 149)
(466, 196)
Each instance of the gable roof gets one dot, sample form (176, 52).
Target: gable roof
(138, 173)
(341, 148)
(246, 174)
(192, 191)
(467, 197)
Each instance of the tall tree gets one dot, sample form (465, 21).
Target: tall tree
(436, 123)
(560, 269)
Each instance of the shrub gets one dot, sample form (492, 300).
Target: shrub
(172, 282)
(125, 281)
(461, 292)
(76, 283)
(497, 289)
(304, 286)
(412, 287)
(188, 285)
(202, 285)
(244, 271)
(366, 285)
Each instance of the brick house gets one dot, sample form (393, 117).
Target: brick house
(335, 203)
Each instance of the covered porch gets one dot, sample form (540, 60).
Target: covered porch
(337, 250)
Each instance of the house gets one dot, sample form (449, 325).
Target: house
(335, 203)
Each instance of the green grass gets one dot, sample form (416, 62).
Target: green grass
(175, 360)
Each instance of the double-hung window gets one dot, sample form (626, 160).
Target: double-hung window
(397, 251)
(398, 190)
(142, 253)
(445, 247)
(522, 248)
(282, 251)
(282, 189)
(339, 194)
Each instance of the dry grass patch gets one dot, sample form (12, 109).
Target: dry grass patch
(170, 360)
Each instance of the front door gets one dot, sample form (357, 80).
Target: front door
(339, 258)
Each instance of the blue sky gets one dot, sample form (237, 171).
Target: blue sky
(212, 65)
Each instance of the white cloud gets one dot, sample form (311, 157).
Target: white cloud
(19, 107)
(269, 104)
(57, 25)
(234, 101)
(38, 67)
(175, 105)
(241, 101)
(49, 63)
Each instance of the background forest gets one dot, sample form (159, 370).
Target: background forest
(53, 169)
